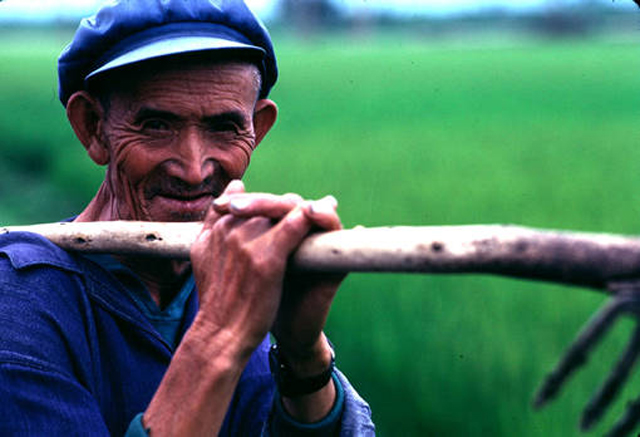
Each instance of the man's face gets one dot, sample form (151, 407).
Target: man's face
(177, 137)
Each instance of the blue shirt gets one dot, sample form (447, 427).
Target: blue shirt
(78, 356)
(167, 321)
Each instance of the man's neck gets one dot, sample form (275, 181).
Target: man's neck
(162, 277)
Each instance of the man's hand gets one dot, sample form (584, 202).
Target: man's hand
(307, 297)
(293, 306)
(244, 247)
(239, 262)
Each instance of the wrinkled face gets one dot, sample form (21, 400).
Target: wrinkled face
(176, 138)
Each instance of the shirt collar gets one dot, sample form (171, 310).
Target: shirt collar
(26, 249)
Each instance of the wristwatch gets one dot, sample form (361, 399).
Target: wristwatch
(291, 386)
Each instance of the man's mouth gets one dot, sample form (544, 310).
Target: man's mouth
(186, 196)
(186, 203)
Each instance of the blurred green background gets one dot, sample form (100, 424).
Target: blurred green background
(405, 131)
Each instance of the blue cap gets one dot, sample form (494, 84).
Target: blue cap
(125, 32)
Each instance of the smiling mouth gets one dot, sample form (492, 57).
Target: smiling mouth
(186, 198)
(187, 203)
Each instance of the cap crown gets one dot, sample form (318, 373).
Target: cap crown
(121, 20)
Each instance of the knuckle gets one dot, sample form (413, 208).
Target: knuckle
(257, 260)
(293, 224)
(235, 239)
(293, 197)
(259, 222)
(226, 231)
(224, 224)
(210, 217)
(245, 254)
(262, 266)
(269, 268)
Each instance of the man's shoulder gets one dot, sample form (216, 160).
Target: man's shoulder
(37, 274)
(35, 271)
(43, 307)
(25, 250)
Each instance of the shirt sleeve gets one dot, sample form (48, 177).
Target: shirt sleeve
(350, 416)
(356, 418)
(40, 394)
(282, 424)
(39, 400)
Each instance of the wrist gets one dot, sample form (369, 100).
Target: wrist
(217, 344)
(299, 378)
(309, 360)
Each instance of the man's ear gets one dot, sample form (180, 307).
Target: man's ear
(86, 115)
(264, 117)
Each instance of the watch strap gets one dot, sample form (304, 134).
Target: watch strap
(291, 386)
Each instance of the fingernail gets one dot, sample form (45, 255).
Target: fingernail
(235, 185)
(221, 202)
(332, 200)
(239, 204)
(326, 205)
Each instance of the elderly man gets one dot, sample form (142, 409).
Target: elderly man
(172, 97)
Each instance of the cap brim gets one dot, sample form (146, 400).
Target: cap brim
(175, 46)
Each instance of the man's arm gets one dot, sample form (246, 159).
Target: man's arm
(239, 261)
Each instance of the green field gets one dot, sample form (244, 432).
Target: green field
(415, 133)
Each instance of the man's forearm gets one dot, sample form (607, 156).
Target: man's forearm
(195, 393)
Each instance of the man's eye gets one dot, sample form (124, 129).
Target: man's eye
(226, 126)
(156, 125)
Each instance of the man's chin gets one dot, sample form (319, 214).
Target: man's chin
(177, 216)
(187, 217)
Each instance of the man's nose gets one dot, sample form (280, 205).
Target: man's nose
(195, 161)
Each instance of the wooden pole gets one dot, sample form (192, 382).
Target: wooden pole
(583, 259)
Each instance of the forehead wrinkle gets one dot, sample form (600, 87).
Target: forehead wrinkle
(195, 92)
(127, 81)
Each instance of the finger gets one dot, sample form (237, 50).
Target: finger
(247, 229)
(322, 213)
(235, 186)
(230, 231)
(578, 352)
(607, 393)
(289, 232)
(264, 204)
(218, 225)
(210, 235)
(629, 421)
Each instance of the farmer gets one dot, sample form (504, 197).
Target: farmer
(171, 96)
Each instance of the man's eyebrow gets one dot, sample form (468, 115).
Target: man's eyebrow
(146, 113)
(236, 117)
